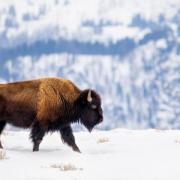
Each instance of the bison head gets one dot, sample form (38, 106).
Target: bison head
(91, 112)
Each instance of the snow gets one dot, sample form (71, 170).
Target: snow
(118, 154)
(161, 44)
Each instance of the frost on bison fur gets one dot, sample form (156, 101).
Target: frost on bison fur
(48, 105)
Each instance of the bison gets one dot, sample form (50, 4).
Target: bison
(48, 105)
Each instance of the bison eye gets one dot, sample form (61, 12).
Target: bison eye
(94, 106)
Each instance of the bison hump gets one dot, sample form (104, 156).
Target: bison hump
(52, 94)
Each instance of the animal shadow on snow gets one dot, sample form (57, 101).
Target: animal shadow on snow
(29, 150)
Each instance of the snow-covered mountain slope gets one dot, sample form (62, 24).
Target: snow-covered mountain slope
(27, 22)
(117, 154)
(129, 51)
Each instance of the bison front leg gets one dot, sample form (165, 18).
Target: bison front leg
(37, 134)
(67, 137)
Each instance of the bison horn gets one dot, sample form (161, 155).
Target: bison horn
(89, 98)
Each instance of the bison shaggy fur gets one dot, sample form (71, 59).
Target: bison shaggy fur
(48, 105)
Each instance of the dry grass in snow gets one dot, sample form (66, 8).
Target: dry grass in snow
(66, 167)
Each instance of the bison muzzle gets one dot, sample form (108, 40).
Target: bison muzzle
(48, 105)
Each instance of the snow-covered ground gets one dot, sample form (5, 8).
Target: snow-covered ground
(106, 155)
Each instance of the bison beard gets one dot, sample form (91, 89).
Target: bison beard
(48, 105)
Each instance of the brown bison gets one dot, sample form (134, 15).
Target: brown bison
(48, 105)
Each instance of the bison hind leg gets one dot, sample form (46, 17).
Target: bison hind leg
(37, 134)
(2, 126)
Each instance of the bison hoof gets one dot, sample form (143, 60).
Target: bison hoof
(35, 149)
(76, 149)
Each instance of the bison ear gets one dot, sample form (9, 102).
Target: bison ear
(89, 98)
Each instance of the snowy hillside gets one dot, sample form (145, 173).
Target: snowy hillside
(129, 51)
(111, 155)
